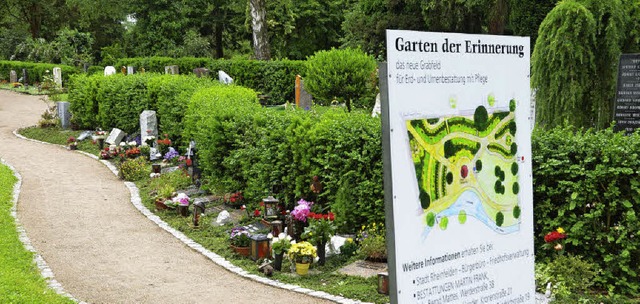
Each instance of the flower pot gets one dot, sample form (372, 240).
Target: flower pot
(156, 168)
(73, 147)
(277, 262)
(302, 268)
(100, 142)
(243, 251)
(183, 210)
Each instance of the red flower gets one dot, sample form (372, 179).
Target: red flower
(331, 216)
(554, 236)
(261, 204)
(232, 199)
(311, 215)
(243, 207)
(189, 162)
(325, 216)
(256, 212)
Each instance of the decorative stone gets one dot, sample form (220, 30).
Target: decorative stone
(148, 125)
(109, 70)
(172, 70)
(223, 218)
(224, 78)
(64, 114)
(57, 76)
(13, 76)
(115, 137)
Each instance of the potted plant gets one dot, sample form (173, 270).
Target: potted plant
(73, 144)
(373, 242)
(300, 214)
(302, 254)
(279, 245)
(240, 241)
(99, 137)
(319, 232)
(182, 202)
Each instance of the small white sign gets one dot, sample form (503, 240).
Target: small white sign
(459, 108)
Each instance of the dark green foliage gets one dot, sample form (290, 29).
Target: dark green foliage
(478, 165)
(275, 78)
(83, 100)
(347, 76)
(525, 16)
(499, 219)
(587, 183)
(95, 69)
(516, 212)
(246, 147)
(35, 71)
(425, 199)
(449, 178)
(121, 99)
(512, 127)
(515, 188)
(497, 171)
(514, 168)
(481, 118)
(454, 145)
(514, 148)
(512, 105)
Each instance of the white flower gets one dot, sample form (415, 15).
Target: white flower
(270, 236)
(133, 143)
(122, 144)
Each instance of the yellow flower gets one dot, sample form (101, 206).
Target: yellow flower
(349, 240)
(560, 230)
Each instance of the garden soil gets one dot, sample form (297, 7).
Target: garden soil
(101, 249)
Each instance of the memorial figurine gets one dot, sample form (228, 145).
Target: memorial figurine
(123, 70)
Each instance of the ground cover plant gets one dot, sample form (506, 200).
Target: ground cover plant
(20, 280)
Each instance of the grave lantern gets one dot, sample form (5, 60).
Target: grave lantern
(383, 283)
(270, 208)
(259, 246)
(198, 208)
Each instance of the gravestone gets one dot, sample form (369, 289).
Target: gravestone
(306, 100)
(115, 137)
(377, 110)
(172, 70)
(57, 76)
(64, 114)
(224, 78)
(25, 77)
(626, 110)
(13, 76)
(109, 70)
(85, 67)
(130, 70)
(201, 72)
(148, 125)
(84, 135)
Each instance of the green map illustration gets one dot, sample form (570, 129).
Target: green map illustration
(467, 166)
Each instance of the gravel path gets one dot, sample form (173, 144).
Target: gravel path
(101, 249)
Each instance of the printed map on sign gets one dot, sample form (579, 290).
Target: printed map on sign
(466, 166)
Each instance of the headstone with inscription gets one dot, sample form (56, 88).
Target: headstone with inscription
(148, 125)
(57, 76)
(627, 104)
(224, 78)
(172, 70)
(13, 76)
(64, 114)
(109, 70)
(115, 137)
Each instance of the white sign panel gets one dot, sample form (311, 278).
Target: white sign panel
(460, 143)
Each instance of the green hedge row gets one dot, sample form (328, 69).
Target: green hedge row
(246, 147)
(116, 101)
(589, 184)
(35, 71)
(274, 78)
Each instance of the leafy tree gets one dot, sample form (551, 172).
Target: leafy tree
(478, 165)
(516, 211)
(481, 118)
(525, 16)
(499, 219)
(563, 66)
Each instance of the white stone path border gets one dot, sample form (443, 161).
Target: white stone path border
(45, 271)
(137, 202)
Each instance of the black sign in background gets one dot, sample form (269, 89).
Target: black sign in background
(626, 111)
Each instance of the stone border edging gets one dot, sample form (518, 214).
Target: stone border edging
(220, 261)
(44, 269)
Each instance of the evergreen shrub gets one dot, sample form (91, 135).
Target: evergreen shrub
(35, 71)
(589, 184)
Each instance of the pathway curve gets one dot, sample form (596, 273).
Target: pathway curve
(79, 217)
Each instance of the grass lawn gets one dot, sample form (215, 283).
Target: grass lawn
(20, 280)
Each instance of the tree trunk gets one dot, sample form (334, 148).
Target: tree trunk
(218, 40)
(498, 17)
(259, 25)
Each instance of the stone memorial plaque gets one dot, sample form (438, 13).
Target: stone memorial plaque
(64, 114)
(57, 76)
(224, 78)
(172, 70)
(148, 125)
(13, 76)
(627, 103)
(115, 137)
(109, 70)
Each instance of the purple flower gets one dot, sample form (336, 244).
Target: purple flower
(301, 211)
(171, 154)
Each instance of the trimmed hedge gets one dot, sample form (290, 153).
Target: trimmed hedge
(273, 78)
(589, 184)
(246, 147)
(35, 70)
(116, 101)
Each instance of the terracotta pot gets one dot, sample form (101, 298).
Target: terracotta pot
(302, 268)
(243, 251)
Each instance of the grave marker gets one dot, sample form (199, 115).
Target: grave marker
(130, 70)
(13, 76)
(627, 103)
(148, 125)
(64, 114)
(303, 98)
(109, 70)
(25, 77)
(172, 70)
(224, 78)
(115, 137)
(200, 72)
(57, 76)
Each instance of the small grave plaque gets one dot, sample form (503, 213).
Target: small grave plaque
(64, 114)
(13, 76)
(115, 137)
(224, 78)
(109, 70)
(627, 104)
(57, 76)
